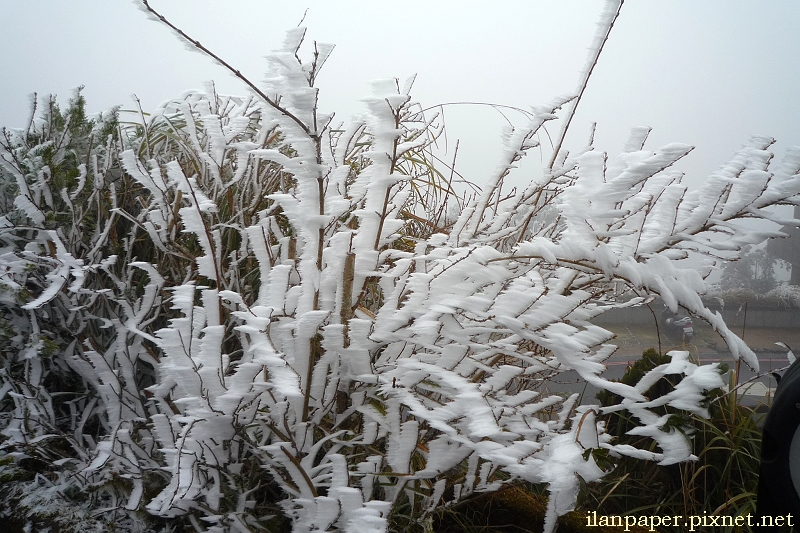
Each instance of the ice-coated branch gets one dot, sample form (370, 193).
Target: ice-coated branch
(270, 101)
(607, 19)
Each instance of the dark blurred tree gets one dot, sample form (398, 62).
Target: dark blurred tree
(755, 271)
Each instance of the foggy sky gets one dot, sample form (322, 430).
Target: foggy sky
(705, 73)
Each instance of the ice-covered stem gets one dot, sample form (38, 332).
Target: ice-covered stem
(606, 23)
(377, 183)
(270, 101)
(517, 143)
(293, 80)
(638, 219)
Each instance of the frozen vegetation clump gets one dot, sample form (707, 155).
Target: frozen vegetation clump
(787, 295)
(241, 309)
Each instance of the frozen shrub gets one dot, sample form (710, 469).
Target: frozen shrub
(233, 290)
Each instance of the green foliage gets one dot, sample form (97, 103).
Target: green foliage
(722, 481)
(620, 423)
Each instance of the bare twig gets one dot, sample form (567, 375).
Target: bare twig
(582, 87)
(272, 103)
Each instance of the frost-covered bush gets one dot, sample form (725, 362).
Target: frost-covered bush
(787, 295)
(225, 309)
(782, 296)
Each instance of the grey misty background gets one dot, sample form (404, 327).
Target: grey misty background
(704, 73)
